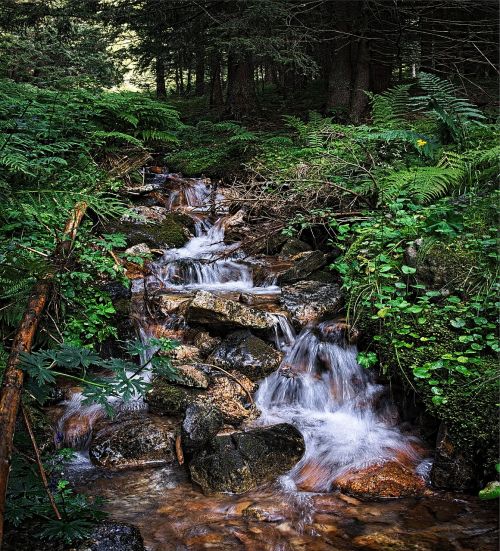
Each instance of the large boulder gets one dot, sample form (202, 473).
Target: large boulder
(304, 264)
(241, 461)
(168, 398)
(248, 354)
(134, 442)
(308, 301)
(113, 536)
(294, 246)
(390, 479)
(209, 309)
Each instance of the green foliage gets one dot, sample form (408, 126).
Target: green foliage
(76, 363)
(214, 149)
(27, 500)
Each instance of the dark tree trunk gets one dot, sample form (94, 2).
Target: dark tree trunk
(340, 74)
(199, 86)
(359, 99)
(161, 89)
(216, 95)
(241, 97)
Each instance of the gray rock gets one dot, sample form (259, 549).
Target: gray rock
(308, 301)
(201, 423)
(141, 249)
(134, 442)
(113, 536)
(209, 309)
(241, 461)
(304, 264)
(248, 354)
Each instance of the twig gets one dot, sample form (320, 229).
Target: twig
(178, 450)
(234, 379)
(41, 469)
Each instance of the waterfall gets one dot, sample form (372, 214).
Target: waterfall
(321, 389)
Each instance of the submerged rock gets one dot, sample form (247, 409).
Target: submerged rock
(209, 309)
(304, 264)
(241, 461)
(113, 536)
(309, 301)
(248, 354)
(391, 479)
(134, 442)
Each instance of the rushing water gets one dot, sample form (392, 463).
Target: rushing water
(319, 387)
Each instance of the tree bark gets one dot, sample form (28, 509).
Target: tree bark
(241, 97)
(12, 383)
(340, 74)
(161, 89)
(216, 96)
(359, 100)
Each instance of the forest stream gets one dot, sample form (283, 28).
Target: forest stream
(287, 443)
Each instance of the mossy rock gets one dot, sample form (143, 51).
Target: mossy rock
(449, 265)
(173, 232)
(166, 398)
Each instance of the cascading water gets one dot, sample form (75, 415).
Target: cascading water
(321, 389)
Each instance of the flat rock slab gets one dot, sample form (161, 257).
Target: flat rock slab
(134, 442)
(209, 309)
(309, 301)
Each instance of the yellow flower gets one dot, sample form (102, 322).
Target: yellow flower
(421, 142)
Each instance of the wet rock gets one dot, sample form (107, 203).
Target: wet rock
(147, 214)
(167, 398)
(185, 353)
(207, 308)
(201, 423)
(172, 303)
(117, 291)
(171, 230)
(113, 536)
(231, 397)
(391, 479)
(248, 354)
(141, 249)
(190, 375)
(323, 276)
(308, 301)
(134, 442)
(294, 246)
(304, 264)
(452, 469)
(260, 300)
(205, 342)
(241, 461)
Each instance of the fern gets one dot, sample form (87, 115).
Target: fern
(390, 109)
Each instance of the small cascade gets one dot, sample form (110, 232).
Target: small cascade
(321, 389)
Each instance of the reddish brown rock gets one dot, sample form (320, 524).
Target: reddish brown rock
(391, 479)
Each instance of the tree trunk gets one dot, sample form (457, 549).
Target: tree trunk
(359, 99)
(340, 74)
(216, 96)
(12, 383)
(241, 97)
(161, 89)
(199, 87)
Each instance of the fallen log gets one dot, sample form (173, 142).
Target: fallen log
(12, 383)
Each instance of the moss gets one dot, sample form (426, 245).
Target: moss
(470, 412)
(166, 398)
(452, 265)
(173, 232)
